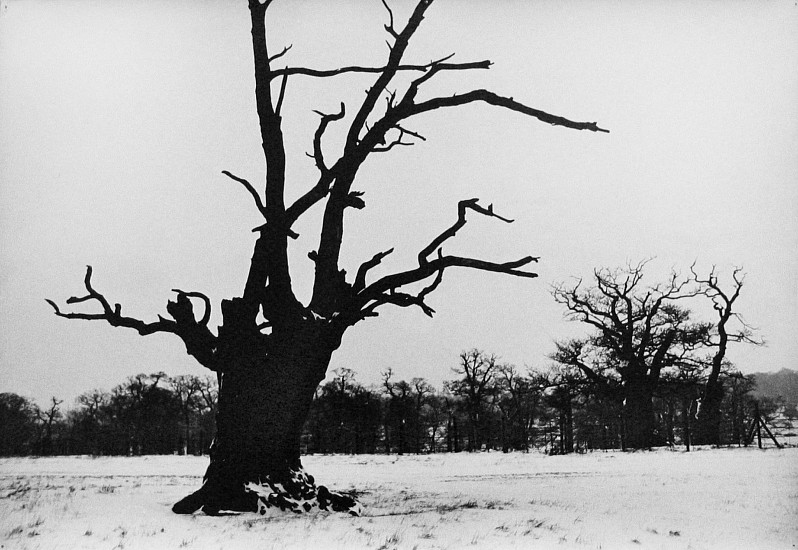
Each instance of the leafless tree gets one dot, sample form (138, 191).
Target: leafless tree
(271, 351)
(476, 386)
(48, 417)
(638, 332)
(186, 388)
(707, 430)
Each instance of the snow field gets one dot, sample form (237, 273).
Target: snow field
(711, 498)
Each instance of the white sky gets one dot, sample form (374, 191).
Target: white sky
(118, 117)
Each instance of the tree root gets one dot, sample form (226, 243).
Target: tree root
(296, 492)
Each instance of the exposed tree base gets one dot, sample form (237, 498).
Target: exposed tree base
(297, 493)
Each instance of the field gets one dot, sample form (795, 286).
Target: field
(709, 498)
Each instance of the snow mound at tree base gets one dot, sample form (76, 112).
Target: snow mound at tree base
(299, 494)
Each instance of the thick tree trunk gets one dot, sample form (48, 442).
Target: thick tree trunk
(707, 429)
(255, 458)
(638, 415)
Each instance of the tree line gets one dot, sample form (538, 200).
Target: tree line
(146, 414)
(490, 405)
(646, 374)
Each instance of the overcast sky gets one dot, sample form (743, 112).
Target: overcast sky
(117, 118)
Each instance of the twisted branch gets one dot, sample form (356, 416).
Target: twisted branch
(384, 290)
(200, 342)
(461, 221)
(252, 191)
(112, 315)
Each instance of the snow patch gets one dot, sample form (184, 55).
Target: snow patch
(301, 495)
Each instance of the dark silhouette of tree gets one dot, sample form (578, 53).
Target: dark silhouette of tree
(271, 351)
(475, 388)
(517, 398)
(91, 426)
(209, 396)
(344, 417)
(186, 388)
(409, 414)
(638, 332)
(145, 415)
(561, 388)
(49, 418)
(435, 418)
(421, 393)
(709, 417)
(18, 425)
(397, 411)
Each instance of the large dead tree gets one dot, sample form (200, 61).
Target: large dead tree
(730, 327)
(271, 351)
(638, 332)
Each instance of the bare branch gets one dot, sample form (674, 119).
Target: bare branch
(360, 279)
(461, 221)
(207, 314)
(410, 133)
(323, 123)
(199, 341)
(430, 268)
(394, 143)
(389, 26)
(252, 191)
(280, 98)
(282, 53)
(384, 290)
(400, 299)
(499, 101)
(112, 315)
(325, 73)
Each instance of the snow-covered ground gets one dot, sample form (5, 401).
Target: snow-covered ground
(719, 498)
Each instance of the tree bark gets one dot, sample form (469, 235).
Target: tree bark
(255, 458)
(638, 415)
(708, 420)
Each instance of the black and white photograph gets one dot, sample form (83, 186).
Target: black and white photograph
(398, 274)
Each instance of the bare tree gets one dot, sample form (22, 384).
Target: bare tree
(707, 430)
(478, 371)
(638, 332)
(271, 351)
(398, 407)
(48, 418)
(517, 399)
(186, 388)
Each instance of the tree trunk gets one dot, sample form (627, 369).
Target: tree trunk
(255, 458)
(707, 429)
(638, 415)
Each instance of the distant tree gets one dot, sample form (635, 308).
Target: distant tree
(435, 417)
(476, 386)
(398, 411)
(709, 416)
(561, 389)
(18, 425)
(638, 332)
(421, 392)
(272, 351)
(736, 404)
(676, 404)
(517, 399)
(49, 418)
(186, 388)
(146, 415)
(344, 417)
(209, 394)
